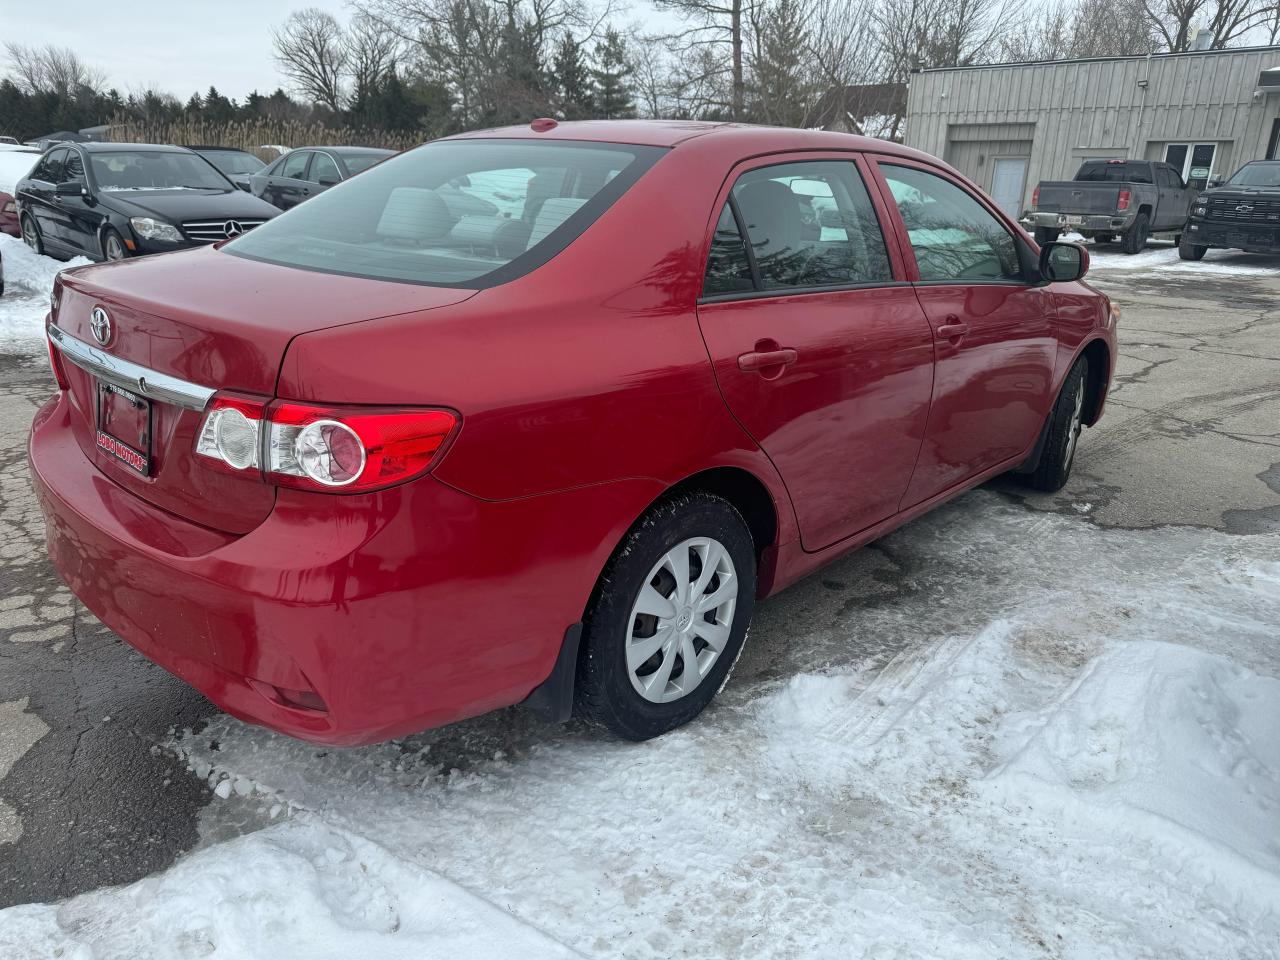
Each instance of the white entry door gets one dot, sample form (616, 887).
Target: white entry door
(1008, 183)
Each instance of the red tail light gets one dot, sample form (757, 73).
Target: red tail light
(1125, 199)
(55, 363)
(1035, 196)
(331, 449)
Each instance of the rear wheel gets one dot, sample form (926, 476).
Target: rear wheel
(1136, 237)
(1047, 235)
(1190, 251)
(1066, 421)
(113, 247)
(31, 234)
(668, 619)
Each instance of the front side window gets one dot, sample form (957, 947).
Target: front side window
(953, 235)
(464, 213)
(154, 170)
(50, 168)
(74, 169)
(810, 224)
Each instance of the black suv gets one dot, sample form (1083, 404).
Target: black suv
(1243, 213)
(109, 201)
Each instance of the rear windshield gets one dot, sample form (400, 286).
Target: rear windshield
(232, 162)
(1257, 175)
(454, 213)
(1109, 170)
(360, 162)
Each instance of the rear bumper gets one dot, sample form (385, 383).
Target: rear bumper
(402, 610)
(1264, 238)
(1099, 222)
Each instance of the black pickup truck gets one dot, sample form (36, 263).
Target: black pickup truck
(1243, 213)
(1129, 199)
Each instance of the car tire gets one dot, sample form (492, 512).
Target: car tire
(31, 233)
(1135, 238)
(1047, 235)
(113, 247)
(1190, 251)
(1062, 433)
(640, 605)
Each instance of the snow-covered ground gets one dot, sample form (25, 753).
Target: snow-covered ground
(1030, 737)
(28, 280)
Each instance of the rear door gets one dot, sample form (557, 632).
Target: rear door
(993, 331)
(45, 205)
(819, 345)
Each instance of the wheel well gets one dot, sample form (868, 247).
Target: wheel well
(1099, 358)
(1145, 208)
(745, 492)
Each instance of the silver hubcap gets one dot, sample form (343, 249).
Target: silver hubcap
(29, 234)
(680, 623)
(114, 250)
(1073, 433)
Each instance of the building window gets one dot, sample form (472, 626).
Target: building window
(1193, 160)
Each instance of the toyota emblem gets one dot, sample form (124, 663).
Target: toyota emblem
(232, 228)
(100, 324)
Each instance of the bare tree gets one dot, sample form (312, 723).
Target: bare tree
(1089, 28)
(1229, 21)
(371, 51)
(52, 69)
(716, 24)
(311, 49)
(916, 34)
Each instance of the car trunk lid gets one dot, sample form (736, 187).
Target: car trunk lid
(209, 321)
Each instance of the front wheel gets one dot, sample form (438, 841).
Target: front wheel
(113, 247)
(1047, 235)
(668, 618)
(1066, 421)
(1190, 251)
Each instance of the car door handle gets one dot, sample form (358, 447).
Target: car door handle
(953, 331)
(759, 360)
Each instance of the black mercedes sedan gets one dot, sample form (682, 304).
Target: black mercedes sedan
(306, 171)
(111, 201)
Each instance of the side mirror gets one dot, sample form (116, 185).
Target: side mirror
(71, 188)
(241, 184)
(1063, 262)
(1215, 182)
(328, 182)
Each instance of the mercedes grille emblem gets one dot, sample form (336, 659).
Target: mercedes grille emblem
(232, 228)
(100, 324)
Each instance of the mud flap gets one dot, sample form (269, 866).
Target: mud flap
(552, 700)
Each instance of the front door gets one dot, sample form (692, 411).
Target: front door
(1194, 161)
(822, 353)
(993, 331)
(1008, 183)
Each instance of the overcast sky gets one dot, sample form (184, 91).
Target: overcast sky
(177, 45)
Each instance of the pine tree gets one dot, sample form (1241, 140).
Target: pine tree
(611, 79)
(572, 80)
(782, 93)
(194, 106)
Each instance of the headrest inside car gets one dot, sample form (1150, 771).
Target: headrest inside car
(414, 215)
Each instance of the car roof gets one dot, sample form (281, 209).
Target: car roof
(103, 147)
(200, 148)
(348, 149)
(672, 133)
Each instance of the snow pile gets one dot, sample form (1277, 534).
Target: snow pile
(297, 892)
(982, 754)
(28, 281)
(14, 165)
(1165, 259)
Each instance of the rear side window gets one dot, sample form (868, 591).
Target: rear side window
(954, 237)
(463, 213)
(809, 224)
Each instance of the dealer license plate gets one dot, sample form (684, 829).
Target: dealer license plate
(124, 426)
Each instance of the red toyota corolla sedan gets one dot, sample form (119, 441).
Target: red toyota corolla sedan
(538, 414)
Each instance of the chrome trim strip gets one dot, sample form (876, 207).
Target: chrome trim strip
(128, 375)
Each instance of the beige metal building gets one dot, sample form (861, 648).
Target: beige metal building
(1008, 126)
